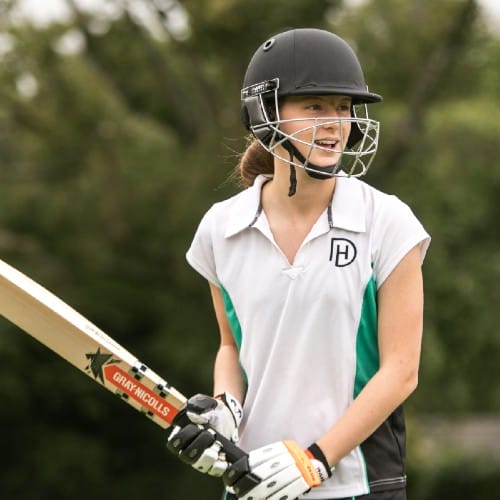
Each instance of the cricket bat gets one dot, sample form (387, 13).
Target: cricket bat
(58, 326)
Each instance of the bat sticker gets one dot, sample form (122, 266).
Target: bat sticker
(97, 361)
(129, 386)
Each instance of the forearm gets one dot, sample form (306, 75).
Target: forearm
(400, 315)
(379, 398)
(227, 372)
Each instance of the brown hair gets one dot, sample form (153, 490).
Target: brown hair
(255, 160)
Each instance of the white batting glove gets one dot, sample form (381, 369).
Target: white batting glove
(279, 471)
(222, 413)
(198, 447)
(203, 433)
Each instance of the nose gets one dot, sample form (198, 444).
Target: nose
(329, 123)
(336, 126)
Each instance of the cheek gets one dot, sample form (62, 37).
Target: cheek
(299, 129)
(346, 130)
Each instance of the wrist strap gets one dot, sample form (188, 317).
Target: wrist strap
(316, 452)
(233, 405)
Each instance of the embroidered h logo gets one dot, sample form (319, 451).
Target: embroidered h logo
(342, 252)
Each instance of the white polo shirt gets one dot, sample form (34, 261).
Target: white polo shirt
(306, 331)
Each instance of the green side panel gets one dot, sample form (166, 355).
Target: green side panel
(234, 323)
(367, 353)
(232, 318)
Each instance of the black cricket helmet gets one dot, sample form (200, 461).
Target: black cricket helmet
(309, 61)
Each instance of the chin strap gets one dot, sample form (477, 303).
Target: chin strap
(311, 169)
(293, 181)
(293, 174)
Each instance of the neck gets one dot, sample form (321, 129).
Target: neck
(312, 195)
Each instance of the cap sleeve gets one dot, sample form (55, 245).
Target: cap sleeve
(200, 254)
(397, 231)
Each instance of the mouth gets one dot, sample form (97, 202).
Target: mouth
(327, 144)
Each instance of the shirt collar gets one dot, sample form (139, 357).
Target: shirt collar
(247, 208)
(347, 206)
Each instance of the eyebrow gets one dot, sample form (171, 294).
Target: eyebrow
(325, 98)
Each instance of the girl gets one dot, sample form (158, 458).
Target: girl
(316, 282)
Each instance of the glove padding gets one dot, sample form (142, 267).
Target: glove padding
(223, 413)
(280, 471)
(198, 446)
(193, 438)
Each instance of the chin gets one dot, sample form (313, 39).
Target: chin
(321, 173)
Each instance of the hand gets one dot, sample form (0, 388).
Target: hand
(278, 471)
(199, 428)
(222, 413)
(199, 447)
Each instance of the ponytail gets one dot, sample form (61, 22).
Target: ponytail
(253, 162)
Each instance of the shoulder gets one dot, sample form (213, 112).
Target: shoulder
(393, 228)
(227, 218)
(236, 213)
(211, 232)
(375, 198)
(358, 206)
(223, 212)
(384, 208)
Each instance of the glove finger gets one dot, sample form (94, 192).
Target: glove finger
(291, 491)
(212, 461)
(171, 441)
(208, 458)
(263, 463)
(192, 452)
(262, 455)
(181, 437)
(218, 468)
(274, 485)
(264, 474)
(271, 467)
(236, 471)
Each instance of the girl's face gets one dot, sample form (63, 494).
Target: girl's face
(315, 126)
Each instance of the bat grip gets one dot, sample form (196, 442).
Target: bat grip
(233, 453)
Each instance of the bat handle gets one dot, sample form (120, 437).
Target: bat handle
(233, 452)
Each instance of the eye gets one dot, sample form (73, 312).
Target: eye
(344, 108)
(313, 106)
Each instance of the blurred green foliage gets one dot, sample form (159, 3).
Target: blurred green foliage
(116, 134)
(459, 477)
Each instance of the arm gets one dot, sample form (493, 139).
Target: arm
(400, 321)
(227, 371)
(223, 412)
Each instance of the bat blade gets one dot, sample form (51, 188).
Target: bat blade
(73, 337)
(58, 326)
